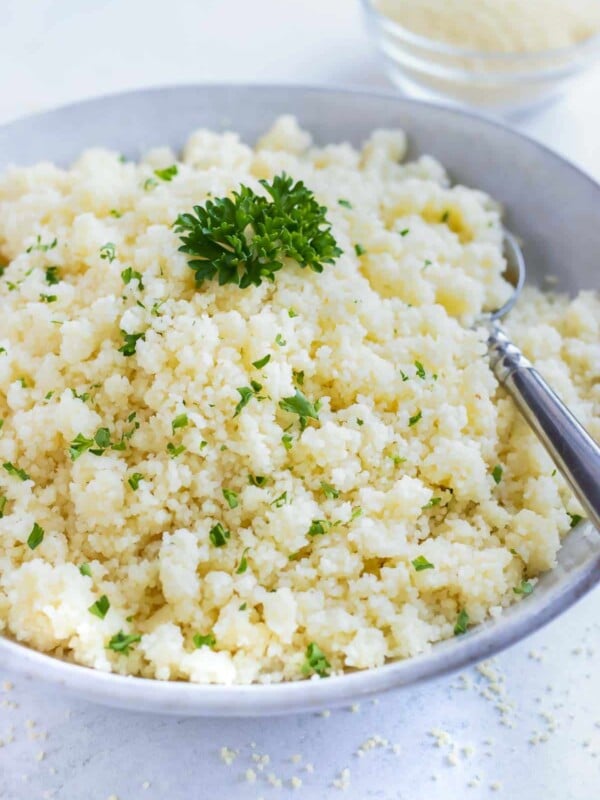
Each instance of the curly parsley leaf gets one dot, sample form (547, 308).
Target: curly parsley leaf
(301, 405)
(243, 240)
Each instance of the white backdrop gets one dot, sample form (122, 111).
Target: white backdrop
(529, 726)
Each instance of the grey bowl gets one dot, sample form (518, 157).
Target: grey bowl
(550, 204)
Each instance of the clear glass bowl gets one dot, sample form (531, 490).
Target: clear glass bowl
(501, 83)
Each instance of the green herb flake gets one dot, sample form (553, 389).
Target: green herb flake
(359, 250)
(287, 441)
(3, 502)
(330, 492)
(318, 527)
(246, 394)
(280, 501)
(52, 276)
(414, 419)
(445, 216)
(149, 184)
(497, 474)
(299, 404)
(40, 246)
(79, 446)
(420, 563)
(575, 519)
(48, 298)
(174, 450)
(420, 370)
(435, 501)
(100, 607)
(219, 535)
(208, 640)
(298, 376)
(280, 340)
(115, 213)
(344, 203)
(231, 498)
(108, 252)
(525, 587)
(167, 174)
(134, 480)
(15, 471)
(243, 565)
(404, 376)
(405, 232)
(131, 340)
(257, 480)
(462, 623)
(315, 662)
(262, 362)
(130, 274)
(292, 313)
(36, 536)
(243, 240)
(86, 570)
(360, 421)
(181, 421)
(243, 607)
(122, 642)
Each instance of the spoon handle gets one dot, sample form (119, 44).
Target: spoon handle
(572, 449)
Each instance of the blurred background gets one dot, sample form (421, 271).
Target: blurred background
(525, 725)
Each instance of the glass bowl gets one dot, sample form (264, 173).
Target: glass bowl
(502, 83)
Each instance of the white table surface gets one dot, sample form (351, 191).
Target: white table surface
(540, 736)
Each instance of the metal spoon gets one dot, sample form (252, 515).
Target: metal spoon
(575, 453)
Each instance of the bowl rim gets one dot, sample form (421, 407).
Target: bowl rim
(436, 46)
(263, 699)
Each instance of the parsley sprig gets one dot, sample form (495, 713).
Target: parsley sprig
(243, 240)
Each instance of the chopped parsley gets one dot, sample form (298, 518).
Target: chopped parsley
(246, 393)
(405, 232)
(525, 587)
(130, 274)
(243, 240)
(100, 607)
(15, 471)
(180, 421)
(85, 569)
(420, 563)
(40, 246)
(462, 623)
(344, 203)
(575, 518)
(115, 213)
(287, 441)
(52, 276)
(435, 501)
(280, 340)
(3, 502)
(36, 536)
(360, 421)
(292, 313)
(48, 298)
(167, 174)
(243, 565)
(208, 640)
(131, 340)
(497, 473)
(315, 661)
(359, 250)
(414, 419)
(318, 527)
(445, 216)
(329, 491)
(150, 183)
(280, 501)
(420, 370)
(122, 642)
(299, 404)
(257, 480)
(299, 376)
(175, 451)
(231, 498)
(262, 362)
(107, 252)
(219, 535)
(404, 376)
(134, 480)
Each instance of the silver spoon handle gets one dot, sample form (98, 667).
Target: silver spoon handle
(572, 449)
